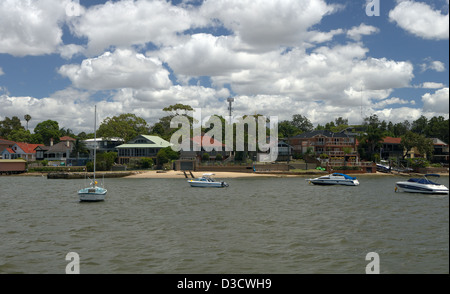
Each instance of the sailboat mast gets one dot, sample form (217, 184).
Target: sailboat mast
(95, 139)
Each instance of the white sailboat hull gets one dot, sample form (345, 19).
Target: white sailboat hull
(92, 194)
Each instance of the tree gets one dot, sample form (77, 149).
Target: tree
(286, 129)
(302, 123)
(125, 126)
(438, 127)
(419, 126)
(27, 117)
(164, 155)
(374, 135)
(162, 128)
(8, 125)
(79, 148)
(20, 135)
(47, 130)
(178, 109)
(411, 140)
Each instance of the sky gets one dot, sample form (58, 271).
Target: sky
(321, 59)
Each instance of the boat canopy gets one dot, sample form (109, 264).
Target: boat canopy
(345, 176)
(422, 181)
(432, 175)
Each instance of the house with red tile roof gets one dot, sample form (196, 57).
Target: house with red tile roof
(205, 144)
(5, 144)
(26, 151)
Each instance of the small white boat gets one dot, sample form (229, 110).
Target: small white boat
(421, 185)
(206, 181)
(335, 179)
(93, 193)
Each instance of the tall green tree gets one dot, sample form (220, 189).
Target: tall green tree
(47, 130)
(413, 140)
(27, 117)
(371, 140)
(302, 123)
(8, 125)
(162, 127)
(125, 126)
(438, 127)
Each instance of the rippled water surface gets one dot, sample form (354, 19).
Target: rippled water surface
(257, 225)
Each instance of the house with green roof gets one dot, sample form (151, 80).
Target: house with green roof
(141, 146)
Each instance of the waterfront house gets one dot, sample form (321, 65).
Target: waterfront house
(103, 144)
(57, 152)
(22, 150)
(5, 144)
(441, 151)
(140, 147)
(391, 148)
(324, 142)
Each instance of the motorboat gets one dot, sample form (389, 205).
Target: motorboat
(421, 185)
(206, 181)
(93, 193)
(335, 179)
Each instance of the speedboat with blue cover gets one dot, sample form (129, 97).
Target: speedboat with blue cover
(335, 179)
(421, 185)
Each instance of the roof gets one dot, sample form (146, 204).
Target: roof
(28, 148)
(437, 141)
(4, 141)
(324, 133)
(156, 142)
(392, 140)
(59, 147)
(205, 140)
(67, 138)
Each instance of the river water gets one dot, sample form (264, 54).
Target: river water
(255, 226)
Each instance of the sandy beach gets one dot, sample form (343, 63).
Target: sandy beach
(179, 174)
(222, 175)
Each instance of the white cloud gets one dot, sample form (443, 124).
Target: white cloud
(1, 72)
(125, 23)
(433, 65)
(31, 27)
(432, 85)
(356, 33)
(266, 25)
(421, 20)
(438, 102)
(390, 101)
(123, 68)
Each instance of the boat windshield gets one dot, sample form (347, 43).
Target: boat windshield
(344, 175)
(422, 181)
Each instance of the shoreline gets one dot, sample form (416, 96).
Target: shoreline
(171, 174)
(179, 174)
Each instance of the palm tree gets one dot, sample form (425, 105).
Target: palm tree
(27, 118)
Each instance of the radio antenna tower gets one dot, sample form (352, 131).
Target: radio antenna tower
(230, 101)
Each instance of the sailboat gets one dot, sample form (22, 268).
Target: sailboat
(93, 192)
